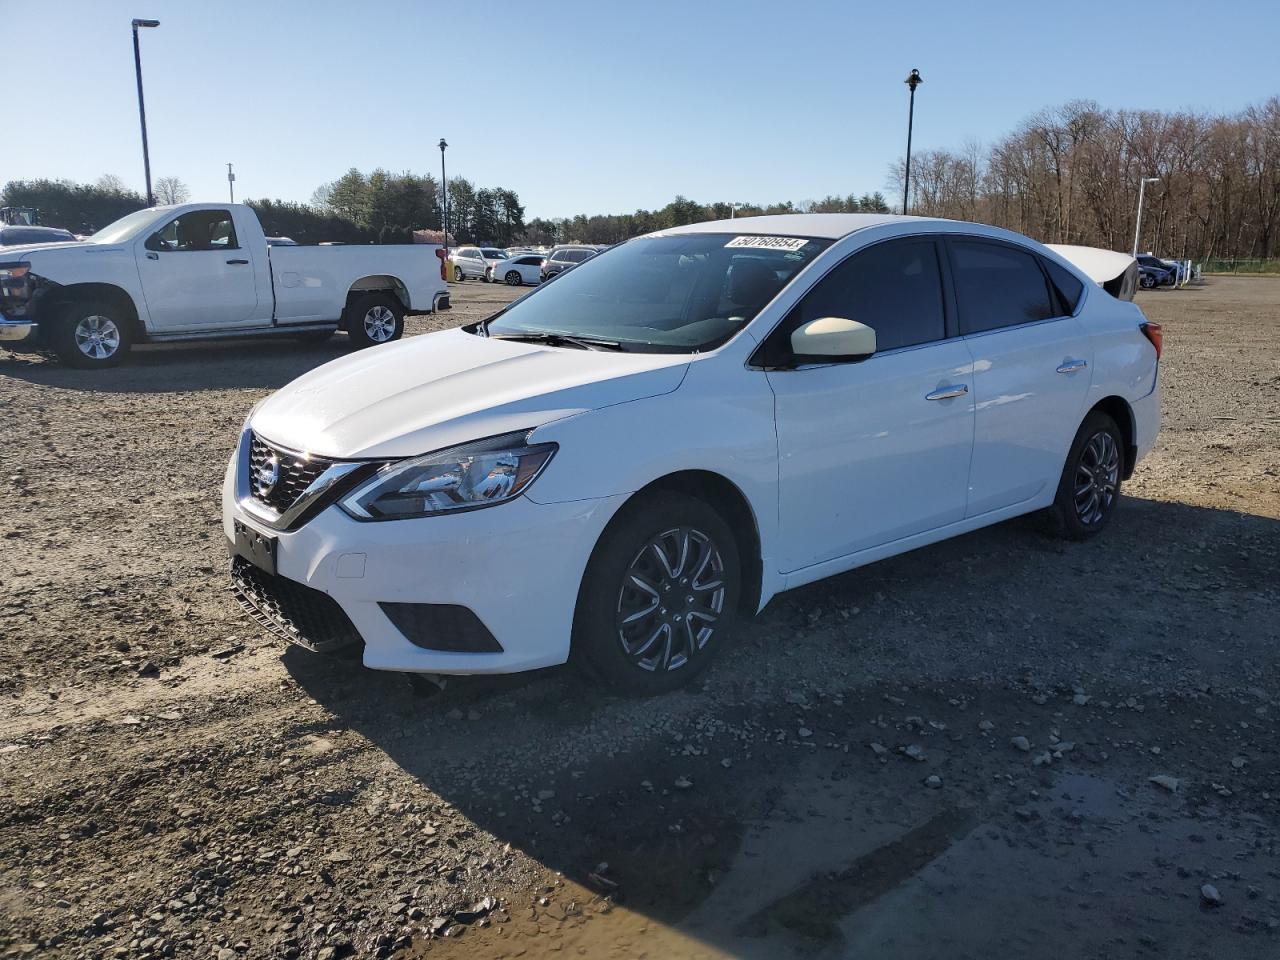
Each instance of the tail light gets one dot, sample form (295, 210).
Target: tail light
(444, 272)
(1155, 333)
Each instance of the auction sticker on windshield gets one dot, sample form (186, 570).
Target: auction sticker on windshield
(770, 243)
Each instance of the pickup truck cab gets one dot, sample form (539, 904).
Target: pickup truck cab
(198, 271)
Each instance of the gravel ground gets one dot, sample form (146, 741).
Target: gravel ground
(999, 746)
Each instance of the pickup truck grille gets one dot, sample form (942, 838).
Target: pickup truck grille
(278, 477)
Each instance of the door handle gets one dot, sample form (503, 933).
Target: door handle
(947, 392)
(152, 256)
(1071, 366)
(237, 261)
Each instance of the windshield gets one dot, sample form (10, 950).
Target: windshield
(670, 294)
(125, 227)
(494, 254)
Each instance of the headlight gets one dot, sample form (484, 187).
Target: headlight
(476, 475)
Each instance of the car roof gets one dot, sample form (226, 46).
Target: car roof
(827, 226)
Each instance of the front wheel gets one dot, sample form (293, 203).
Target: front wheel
(512, 278)
(458, 275)
(92, 335)
(660, 593)
(375, 318)
(1090, 485)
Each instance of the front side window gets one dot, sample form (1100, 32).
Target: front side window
(998, 286)
(894, 287)
(196, 231)
(674, 294)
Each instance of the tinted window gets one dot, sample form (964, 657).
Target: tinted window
(575, 256)
(198, 230)
(894, 287)
(529, 261)
(998, 286)
(1066, 284)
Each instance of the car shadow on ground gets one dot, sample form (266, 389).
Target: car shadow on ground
(669, 792)
(267, 363)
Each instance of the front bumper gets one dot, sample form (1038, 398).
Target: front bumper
(16, 334)
(517, 567)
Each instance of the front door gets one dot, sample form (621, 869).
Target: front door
(1032, 370)
(195, 275)
(875, 451)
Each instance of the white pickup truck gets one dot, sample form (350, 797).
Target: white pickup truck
(201, 270)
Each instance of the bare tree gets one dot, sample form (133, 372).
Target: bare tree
(170, 190)
(110, 183)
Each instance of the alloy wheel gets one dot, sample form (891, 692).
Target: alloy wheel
(513, 278)
(671, 599)
(97, 337)
(1097, 477)
(379, 324)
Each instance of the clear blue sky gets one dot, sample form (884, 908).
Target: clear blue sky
(606, 106)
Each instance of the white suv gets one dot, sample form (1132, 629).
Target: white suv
(616, 466)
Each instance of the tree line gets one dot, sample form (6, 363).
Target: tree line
(1070, 174)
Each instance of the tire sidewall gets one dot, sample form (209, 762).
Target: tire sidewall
(595, 644)
(361, 306)
(1066, 520)
(64, 337)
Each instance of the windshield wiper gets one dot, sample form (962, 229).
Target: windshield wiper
(561, 340)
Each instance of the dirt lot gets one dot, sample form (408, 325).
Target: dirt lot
(175, 783)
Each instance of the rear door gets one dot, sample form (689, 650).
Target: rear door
(1031, 369)
(875, 451)
(195, 275)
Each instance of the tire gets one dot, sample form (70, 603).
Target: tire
(373, 319)
(458, 275)
(1089, 489)
(92, 334)
(658, 547)
(1146, 282)
(513, 278)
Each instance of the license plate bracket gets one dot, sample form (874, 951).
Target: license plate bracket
(258, 548)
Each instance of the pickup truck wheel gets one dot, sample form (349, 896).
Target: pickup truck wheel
(659, 594)
(92, 335)
(375, 318)
(1090, 486)
(458, 274)
(513, 278)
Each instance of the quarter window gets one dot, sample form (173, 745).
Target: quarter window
(1066, 284)
(998, 286)
(893, 287)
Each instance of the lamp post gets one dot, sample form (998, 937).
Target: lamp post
(444, 198)
(1137, 227)
(142, 109)
(733, 205)
(231, 183)
(913, 80)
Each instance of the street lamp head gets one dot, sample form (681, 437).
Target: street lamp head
(442, 144)
(1150, 179)
(145, 23)
(914, 79)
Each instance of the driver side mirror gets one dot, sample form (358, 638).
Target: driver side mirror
(833, 340)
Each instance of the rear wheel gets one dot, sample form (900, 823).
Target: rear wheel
(1090, 485)
(660, 593)
(513, 278)
(375, 318)
(92, 334)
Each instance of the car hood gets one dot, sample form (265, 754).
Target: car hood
(451, 387)
(23, 251)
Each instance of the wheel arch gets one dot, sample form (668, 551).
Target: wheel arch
(727, 499)
(63, 296)
(1118, 409)
(381, 282)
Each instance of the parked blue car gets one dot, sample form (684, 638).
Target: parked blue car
(1154, 272)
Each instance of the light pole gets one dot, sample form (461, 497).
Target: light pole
(444, 198)
(142, 109)
(1137, 227)
(913, 80)
(231, 183)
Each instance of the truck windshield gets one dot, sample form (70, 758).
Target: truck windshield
(124, 228)
(673, 294)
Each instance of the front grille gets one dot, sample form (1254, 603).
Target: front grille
(294, 611)
(295, 472)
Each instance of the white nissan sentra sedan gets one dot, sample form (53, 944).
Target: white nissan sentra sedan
(617, 465)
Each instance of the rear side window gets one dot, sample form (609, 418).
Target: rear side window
(893, 287)
(1066, 284)
(529, 261)
(998, 286)
(575, 256)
